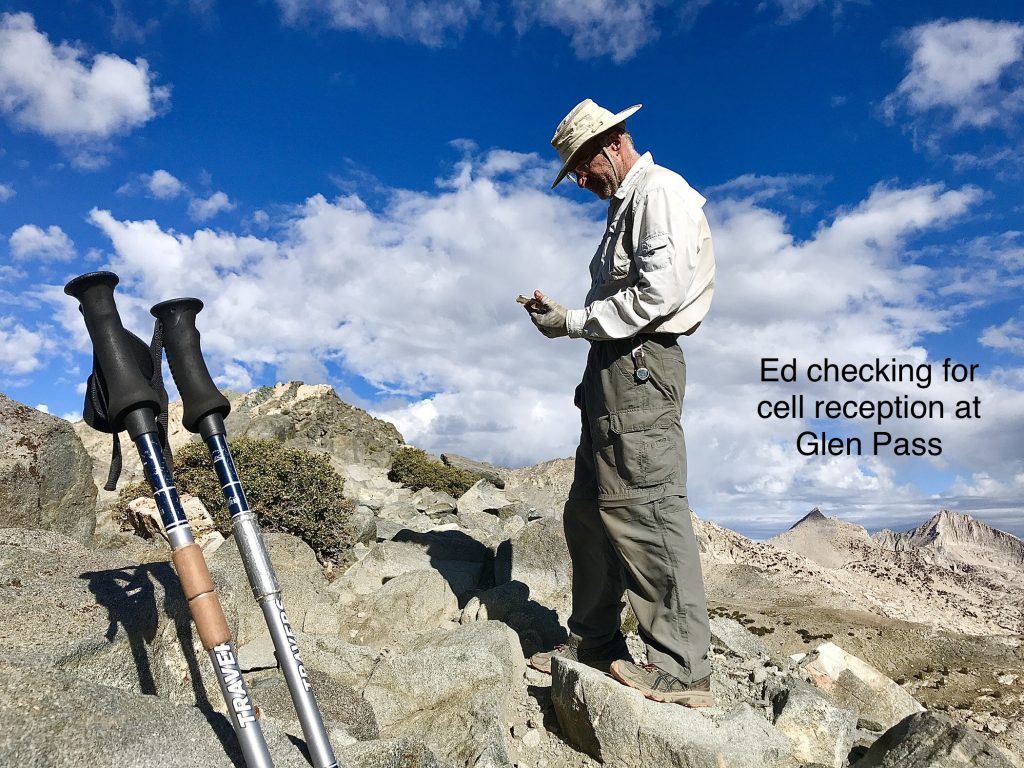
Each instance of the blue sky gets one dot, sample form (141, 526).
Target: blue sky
(359, 190)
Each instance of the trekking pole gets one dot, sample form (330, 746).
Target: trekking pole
(133, 405)
(204, 411)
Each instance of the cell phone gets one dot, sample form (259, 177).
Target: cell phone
(530, 303)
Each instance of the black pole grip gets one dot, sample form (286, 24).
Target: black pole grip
(199, 394)
(127, 387)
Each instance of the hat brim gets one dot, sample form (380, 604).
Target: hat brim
(603, 126)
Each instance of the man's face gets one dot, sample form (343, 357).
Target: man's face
(596, 173)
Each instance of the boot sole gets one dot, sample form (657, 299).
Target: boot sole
(692, 699)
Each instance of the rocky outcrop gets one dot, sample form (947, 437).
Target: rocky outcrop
(310, 417)
(538, 557)
(736, 738)
(819, 730)
(544, 487)
(389, 753)
(616, 724)
(532, 571)
(460, 559)
(55, 717)
(44, 473)
(450, 688)
(347, 715)
(931, 740)
(596, 714)
(144, 518)
(100, 614)
(480, 507)
(489, 472)
(416, 601)
(314, 418)
(733, 636)
(415, 646)
(310, 607)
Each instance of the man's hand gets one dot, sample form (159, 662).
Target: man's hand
(548, 315)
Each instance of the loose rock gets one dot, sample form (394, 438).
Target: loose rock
(930, 740)
(819, 731)
(855, 684)
(45, 473)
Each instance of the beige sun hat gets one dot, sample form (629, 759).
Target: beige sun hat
(584, 122)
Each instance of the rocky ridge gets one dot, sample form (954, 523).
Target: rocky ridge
(310, 417)
(417, 648)
(960, 539)
(854, 572)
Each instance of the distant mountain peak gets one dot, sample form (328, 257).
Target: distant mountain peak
(949, 526)
(961, 536)
(813, 516)
(949, 516)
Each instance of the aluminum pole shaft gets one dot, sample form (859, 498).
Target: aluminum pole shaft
(241, 710)
(267, 592)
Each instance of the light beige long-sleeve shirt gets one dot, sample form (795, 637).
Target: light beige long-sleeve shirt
(654, 271)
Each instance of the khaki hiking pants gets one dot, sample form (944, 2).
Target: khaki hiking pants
(627, 520)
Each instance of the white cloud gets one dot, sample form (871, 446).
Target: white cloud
(430, 22)
(850, 294)
(418, 298)
(125, 27)
(982, 485)
(789, 11)
(56, 91)
(163, 185)
(261, 219)
(31, 242)
(965, 73)
(793, 10)
(43, 407)
(797, 191)
(595, 27)
(22, 350)
(6, 192)
(987, 268)
(1008, 336)
(204, 209)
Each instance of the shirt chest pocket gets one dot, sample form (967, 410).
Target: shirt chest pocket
(618, 255)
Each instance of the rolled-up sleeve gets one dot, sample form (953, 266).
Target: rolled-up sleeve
(666, 246)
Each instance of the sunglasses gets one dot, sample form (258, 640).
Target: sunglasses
(583, 168)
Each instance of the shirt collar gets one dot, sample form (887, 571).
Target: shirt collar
(642, 164)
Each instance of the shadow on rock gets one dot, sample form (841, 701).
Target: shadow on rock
(129, 596)
(536, 625)
(465, 563)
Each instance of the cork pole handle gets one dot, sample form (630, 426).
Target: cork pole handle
(203, 602)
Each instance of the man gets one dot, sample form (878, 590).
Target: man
(627, 520)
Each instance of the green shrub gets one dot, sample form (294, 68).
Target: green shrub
(629, 621)
(290, 490)
(126, 495)
(413, 468)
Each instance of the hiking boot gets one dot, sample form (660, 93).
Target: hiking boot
(658, 685)
(599, 661)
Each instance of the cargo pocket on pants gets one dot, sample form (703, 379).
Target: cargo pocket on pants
(641, 446)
